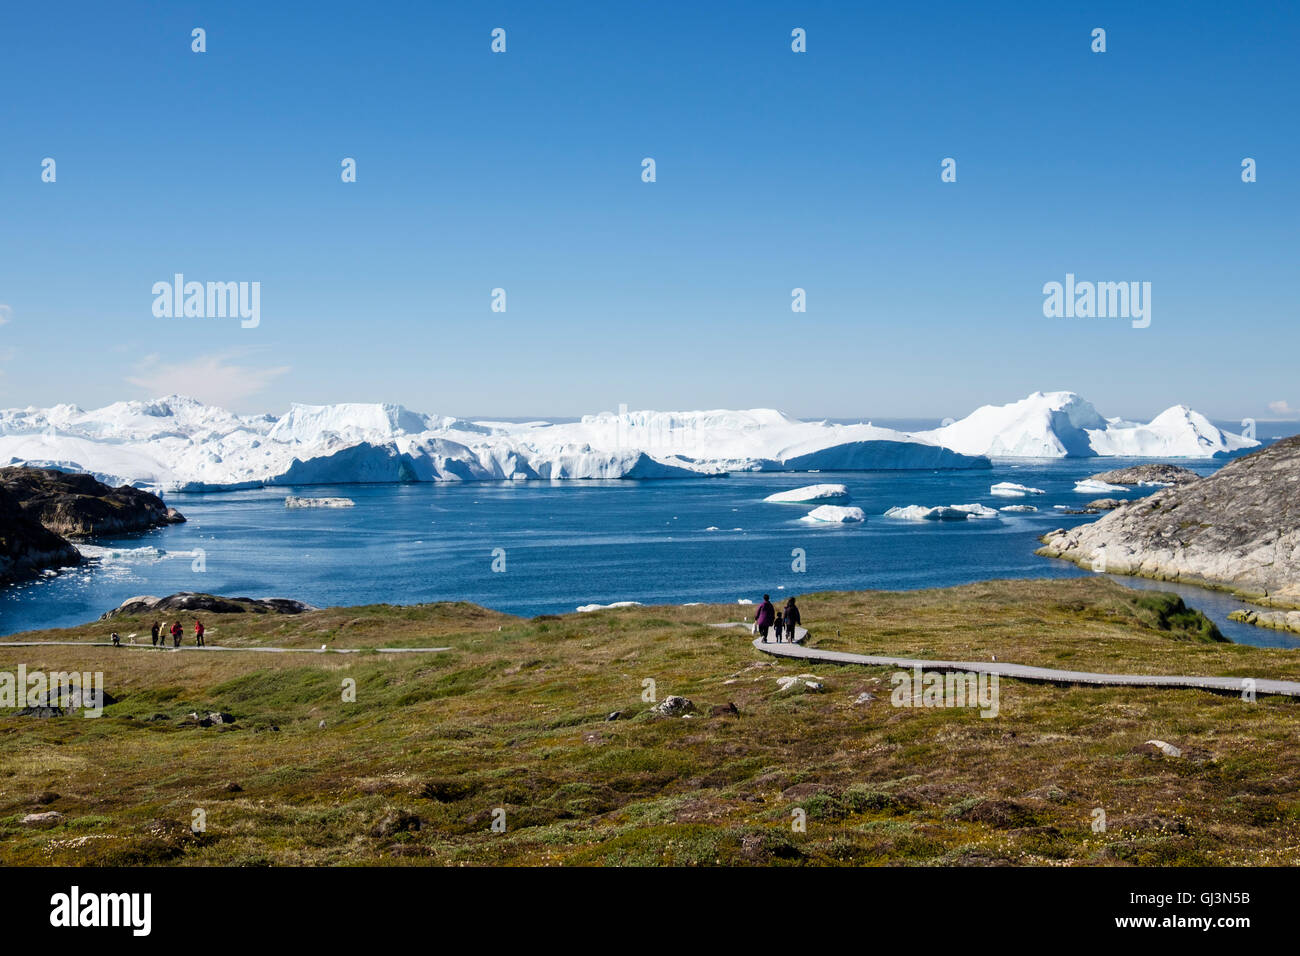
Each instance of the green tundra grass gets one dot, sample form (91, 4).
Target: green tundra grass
(512, 719)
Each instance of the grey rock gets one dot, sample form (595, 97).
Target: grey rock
(1170, 474)
(48, 818)
(1238, 529)
(674, 707)
(195, 602)
(1105, 504)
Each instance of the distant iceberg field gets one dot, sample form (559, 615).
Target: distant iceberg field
(177, 443)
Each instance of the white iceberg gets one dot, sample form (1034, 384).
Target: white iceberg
(1018, 508)
(978, 511)
(922, 513)
(835, 514)
(941, 512)
(1009, 489)
(1091, 486)
(1062, 424)
(293, 501)
(810, 493)
(588, 608)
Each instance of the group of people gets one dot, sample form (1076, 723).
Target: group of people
(159, 632)
(779, 622)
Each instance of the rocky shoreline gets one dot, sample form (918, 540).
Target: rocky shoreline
(1148, 474)
(1237, 530)
(195, 602)
(41, 508)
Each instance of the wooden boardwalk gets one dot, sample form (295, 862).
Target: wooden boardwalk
(1045, 675)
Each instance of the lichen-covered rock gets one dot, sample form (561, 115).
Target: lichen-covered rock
(674, 707)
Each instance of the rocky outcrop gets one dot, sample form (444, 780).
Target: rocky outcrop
(27, 546)
(1237, 529)
(79, 506)
(194, 602)
(674, 707)
(1274, 620)
(1166, 474)
(40, 508)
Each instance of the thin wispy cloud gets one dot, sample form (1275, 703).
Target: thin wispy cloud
(1283, 409)
(6, 313)
(215, 379)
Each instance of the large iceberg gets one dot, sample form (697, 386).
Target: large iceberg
(1062, 424)
(177, 443)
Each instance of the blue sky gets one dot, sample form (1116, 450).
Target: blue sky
(775, 170)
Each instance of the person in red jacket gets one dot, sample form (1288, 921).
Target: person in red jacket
(177, 633)
(198, 633)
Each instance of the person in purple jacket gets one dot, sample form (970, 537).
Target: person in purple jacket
(765, 616)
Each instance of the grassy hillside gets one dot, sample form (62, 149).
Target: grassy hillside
(513, 717)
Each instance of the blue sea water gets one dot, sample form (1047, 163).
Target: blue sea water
(584, 542)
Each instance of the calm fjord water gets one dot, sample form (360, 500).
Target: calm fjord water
(582, 542)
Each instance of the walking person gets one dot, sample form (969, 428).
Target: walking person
(198, 633)
(778, 627)
(177, 633)
(153, 633)
(791, 618)
(765, 616)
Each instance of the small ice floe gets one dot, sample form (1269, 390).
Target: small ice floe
(941, 512)
(588, 608)
(121, 555)
(1018, 508)
(1155, 484)
(293, 501)
(810, 493)
(1091, 486)
(835, 514)
(1009, 489)
(713, 527)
